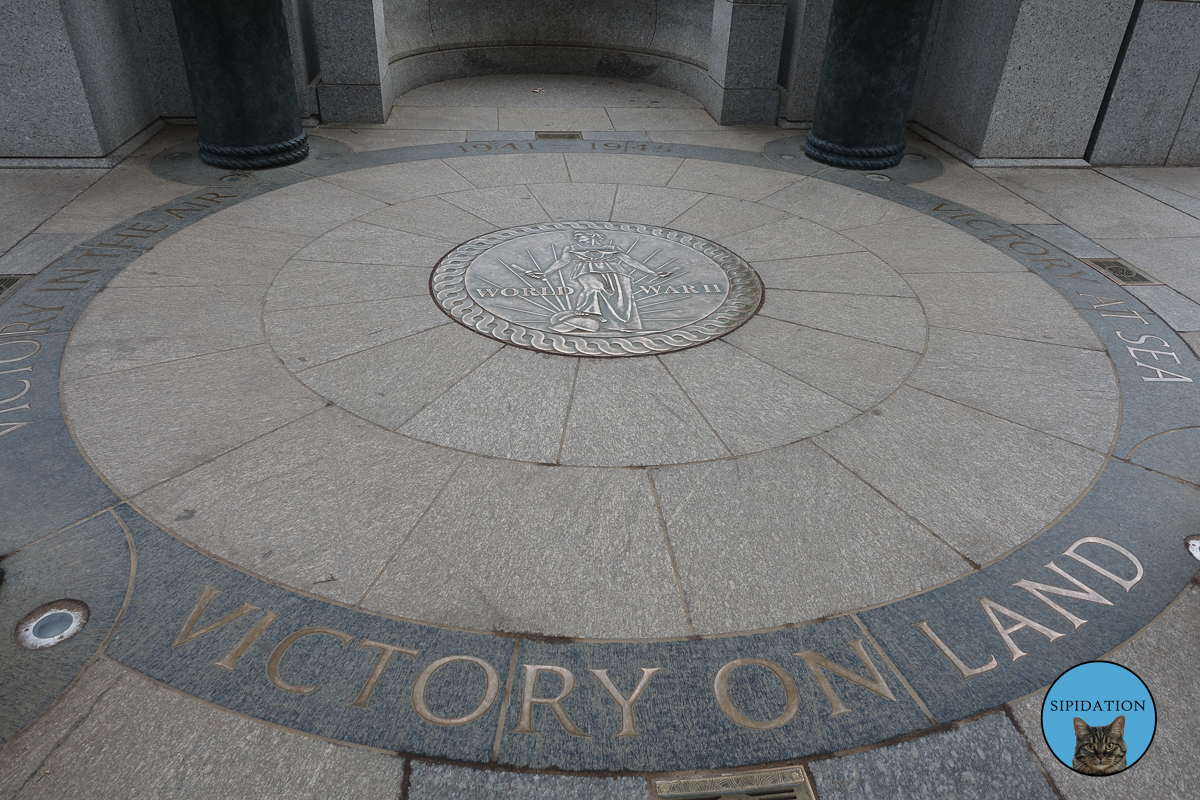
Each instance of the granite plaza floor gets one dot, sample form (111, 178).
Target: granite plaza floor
(338, 542)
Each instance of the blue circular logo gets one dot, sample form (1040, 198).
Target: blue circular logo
(1098, 718)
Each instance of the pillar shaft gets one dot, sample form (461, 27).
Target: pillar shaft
(239, 69)
(872, 54)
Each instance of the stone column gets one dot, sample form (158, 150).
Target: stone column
(743, 61)
(239, 68)
(1152, 115)
(356, 81)
(872, 55)
(1021, 79)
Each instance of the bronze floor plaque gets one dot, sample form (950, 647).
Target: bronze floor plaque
(596, 288)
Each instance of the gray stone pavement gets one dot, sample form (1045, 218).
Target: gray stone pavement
(912, 409)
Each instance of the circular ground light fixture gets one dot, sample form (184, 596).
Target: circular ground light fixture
(51, 624)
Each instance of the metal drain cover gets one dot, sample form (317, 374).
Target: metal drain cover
(9, 285)
(557, 135)
(596, 288)
(773, 784)
(1120, 271)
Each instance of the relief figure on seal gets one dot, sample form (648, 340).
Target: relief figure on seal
(604, 273)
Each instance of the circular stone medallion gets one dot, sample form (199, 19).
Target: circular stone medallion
(596, 288)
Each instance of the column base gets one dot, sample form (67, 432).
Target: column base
(853, 157)
(263, 156)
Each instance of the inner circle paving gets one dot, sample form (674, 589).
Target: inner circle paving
(749, 420)
(681, 407)
(887, 501)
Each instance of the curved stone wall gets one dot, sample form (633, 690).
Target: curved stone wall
(676, 29)
(665, 42)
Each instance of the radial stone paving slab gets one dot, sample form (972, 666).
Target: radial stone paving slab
(630, 458)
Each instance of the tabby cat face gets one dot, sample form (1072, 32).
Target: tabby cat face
(1099, 750)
